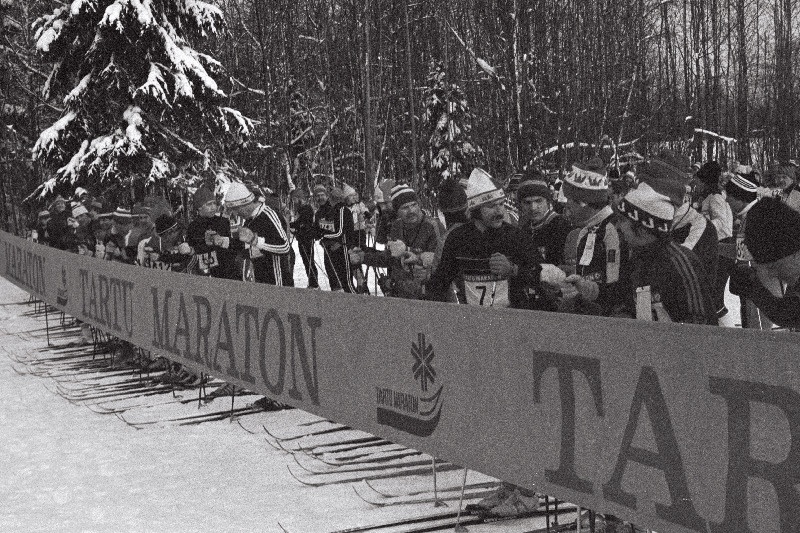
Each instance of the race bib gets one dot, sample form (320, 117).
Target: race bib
(487, 292)
(207, 260)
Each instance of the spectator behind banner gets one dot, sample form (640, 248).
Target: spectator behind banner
(670, 282)
(303, 227)
(548, 229)
(209, 235)
(410, 252)
(772, 236)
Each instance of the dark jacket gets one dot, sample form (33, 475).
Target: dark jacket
(225, 258)
(303, 225)
(548, 236)
(465, 261)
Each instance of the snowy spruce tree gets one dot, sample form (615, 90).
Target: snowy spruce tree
(142, 105)
(446, 120)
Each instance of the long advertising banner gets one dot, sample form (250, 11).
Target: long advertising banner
(676, 428)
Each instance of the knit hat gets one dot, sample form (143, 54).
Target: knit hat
(44, 213)
(709, 173)
(514, 181)
(452, 197)
(666, 178)
(319, 188)
(401, 195)
(202, 196)
(648, 208)
(772, 230)
(80, 192)
(533, 174)
(587, 182)
(482, 190)
(165, 223)
(742, 189)
(534, 188)
(348, 190)
(238, 195)
(79, 210)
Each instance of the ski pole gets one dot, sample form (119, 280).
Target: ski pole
(436, 501)
(459, 528)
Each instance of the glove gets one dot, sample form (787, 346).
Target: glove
(210, 235)
(551, 274)
(501, 265)
(246, 235)
(220, 241)
(588, 290)
(427, 259)
(72, 223)
(184, 248)
(396, 248)
(742, 280)
(409, 259)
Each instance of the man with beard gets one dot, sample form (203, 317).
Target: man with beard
(413, 241)
(594, 250)
(209, 235)
(492, 262)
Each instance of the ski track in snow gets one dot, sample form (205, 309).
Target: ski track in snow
(67, 469)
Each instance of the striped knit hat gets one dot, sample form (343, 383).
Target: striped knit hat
(587, 182)
(482, 190)
(122, 215)
(237, 195)
(401, 195)
(742, 189)
(645, 206)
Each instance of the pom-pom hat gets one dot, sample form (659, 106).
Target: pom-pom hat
(401, 195)
(238, 195)
(742, 189)
(649, 208)
(587, 182)
(482, 190)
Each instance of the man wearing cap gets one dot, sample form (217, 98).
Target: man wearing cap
(303, 227)
(594, 250)
(209, 235)
(409, 254)
(669, 280)
(492, 262)
(772, 236)
(262, 230)
(334, 228)
(548, 229)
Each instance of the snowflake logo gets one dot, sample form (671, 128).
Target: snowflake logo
(423, 355)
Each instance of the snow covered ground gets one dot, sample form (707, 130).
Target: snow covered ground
(66, 468)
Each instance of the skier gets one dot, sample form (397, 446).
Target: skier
(262, 230)
(772, 236)
(334, 228)
(548, 229)
(209, 235)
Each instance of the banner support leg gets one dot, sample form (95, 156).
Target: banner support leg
(459, 528)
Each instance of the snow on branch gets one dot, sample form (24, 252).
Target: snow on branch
(245, 124)
(722, 138)
(208, 18)
(155, 86)
(49, 29)
(184, 63)
(49, 137)
(71, 170)
(78, 92)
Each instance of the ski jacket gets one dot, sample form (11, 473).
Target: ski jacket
(465, 261)
(693, 231)
(548, 236)
(677, 281)
(334, 226)
(303, 226)
(217, 261)
(270, 251)
(596, 252)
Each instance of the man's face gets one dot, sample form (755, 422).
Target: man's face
(783, 181)
(535, 207)
(320, 197)
(578, 213)
(493, 214)
(352, 199)
(104, 223)
(786, 269)
(59, 206)
(410, 213)
(208, 209)
(634, 234)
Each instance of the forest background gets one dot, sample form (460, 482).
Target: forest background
(355, 91)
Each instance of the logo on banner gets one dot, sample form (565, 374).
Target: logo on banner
(62, 295)
(416, 412)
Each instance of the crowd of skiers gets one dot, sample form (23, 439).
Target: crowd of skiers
(660, 240)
